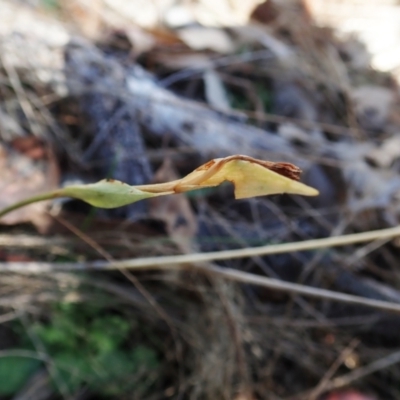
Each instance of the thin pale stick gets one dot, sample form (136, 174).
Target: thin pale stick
(325, 381)
(375, 366)
(227, 273)
(314, 244)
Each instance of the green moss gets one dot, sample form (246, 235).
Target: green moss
(90, 347)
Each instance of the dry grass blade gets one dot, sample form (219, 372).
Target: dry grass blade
(227, 273)
(327, 378)
(165, 261)
(375, 366)
(179, 261)
(30, 241)
(314, 244)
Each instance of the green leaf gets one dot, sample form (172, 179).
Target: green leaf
(107, 193)
(14, 372)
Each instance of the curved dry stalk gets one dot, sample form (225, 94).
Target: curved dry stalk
(375, 366)
(227, 273)
(168, 261)
(197, 261)
(313, 244)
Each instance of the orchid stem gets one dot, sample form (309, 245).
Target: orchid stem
(33, 199)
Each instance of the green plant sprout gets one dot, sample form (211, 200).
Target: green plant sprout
(251, 177)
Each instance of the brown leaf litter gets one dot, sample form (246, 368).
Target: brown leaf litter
(28, 168)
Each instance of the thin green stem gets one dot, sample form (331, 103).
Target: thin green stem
(33, 199)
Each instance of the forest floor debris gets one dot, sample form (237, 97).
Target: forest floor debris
(88, 94)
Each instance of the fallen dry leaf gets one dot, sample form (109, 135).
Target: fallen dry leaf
(202, 38)
(30, 146)
(265, 12)
(27, 168)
